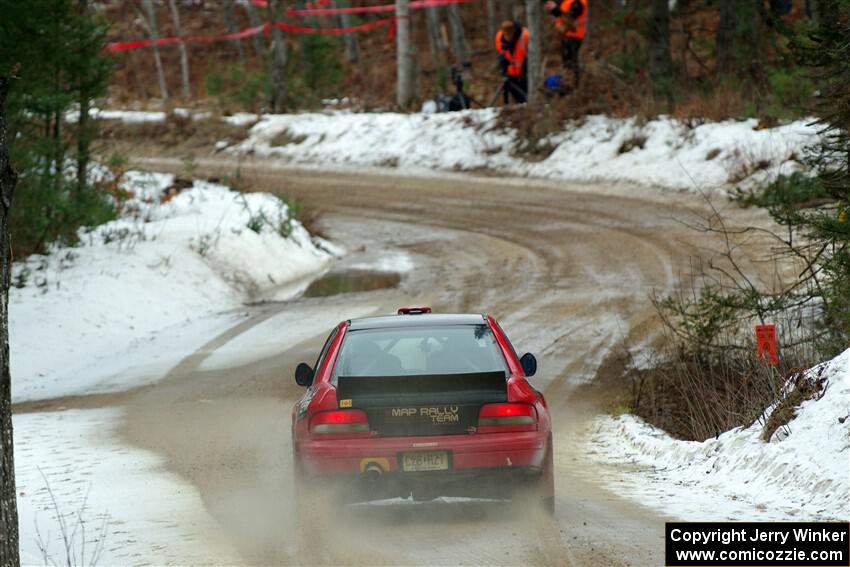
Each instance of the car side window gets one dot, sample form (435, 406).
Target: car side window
(325, 348)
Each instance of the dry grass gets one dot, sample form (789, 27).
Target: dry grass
(286, 138)
(695, 394)
(799, 388)
(719, 103)
(174, 133)
(744, 162)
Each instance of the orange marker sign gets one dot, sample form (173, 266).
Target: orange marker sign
(766, 341)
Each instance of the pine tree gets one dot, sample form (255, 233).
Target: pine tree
(826, 50)
(815, 211)
(660, 61)
(89, 72)
(58, 47)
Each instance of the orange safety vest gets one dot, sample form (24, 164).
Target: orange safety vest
(517, 58)
(581, 21)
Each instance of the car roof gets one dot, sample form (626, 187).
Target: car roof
(421, 320)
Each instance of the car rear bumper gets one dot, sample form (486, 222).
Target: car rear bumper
(469, 455)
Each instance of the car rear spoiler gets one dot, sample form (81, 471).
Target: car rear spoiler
(383, 391)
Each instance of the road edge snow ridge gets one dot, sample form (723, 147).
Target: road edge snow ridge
(663, 152)
(803, 473)
(152, 285)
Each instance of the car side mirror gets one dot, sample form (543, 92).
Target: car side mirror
(303, 374)
(529, 364)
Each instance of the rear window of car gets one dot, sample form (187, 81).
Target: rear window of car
(456, 349)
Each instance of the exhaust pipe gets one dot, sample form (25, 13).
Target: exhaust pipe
(371, 481)
(373, 472)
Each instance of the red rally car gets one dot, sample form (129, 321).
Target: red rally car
(425, 405)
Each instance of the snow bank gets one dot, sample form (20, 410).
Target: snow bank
(802, 476)
(95, 317)
(663, 152)
(110, 486)
(137, 116)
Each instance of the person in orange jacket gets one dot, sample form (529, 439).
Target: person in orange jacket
(571, 21)
(512, 45)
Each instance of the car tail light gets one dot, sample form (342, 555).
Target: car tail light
(340, 423)
(500, 418)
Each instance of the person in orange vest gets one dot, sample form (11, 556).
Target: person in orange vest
(571, 21)
(512, 45)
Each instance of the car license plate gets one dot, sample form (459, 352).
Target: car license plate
(425, 461)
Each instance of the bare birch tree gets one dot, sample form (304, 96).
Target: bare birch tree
(149, 21)
(459, 45)
(232, 28)
(435, 33)
(184, 51)
(404, 54)
(352, 46)
(256, 21)
(506, 9)
(9, 554)
(513, 9)
(492, 19)
(533, 11)
(278, 63)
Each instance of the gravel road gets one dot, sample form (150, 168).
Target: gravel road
(568, 270)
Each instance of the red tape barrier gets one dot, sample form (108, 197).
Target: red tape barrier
(310, 6)
(335, 31)
(124, 46)
(316, 4)
(415, 5)
(236, 35)
(127, 45)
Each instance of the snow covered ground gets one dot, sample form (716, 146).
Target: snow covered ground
(660, 153)
(109, 487)
(119, 310)
(802, 474)
(137, 293)
(141, 292)
(663, 152)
